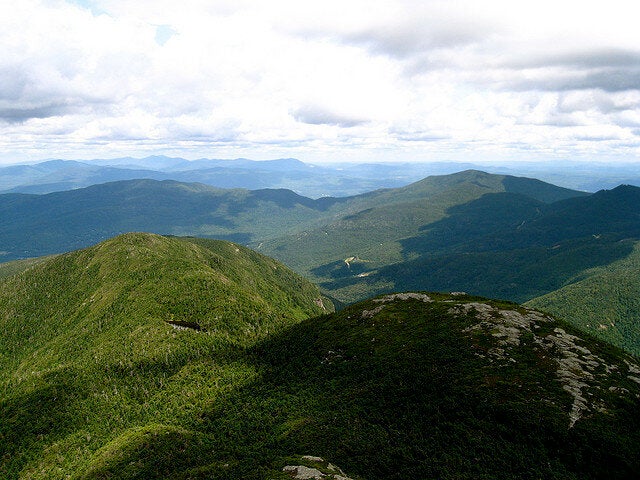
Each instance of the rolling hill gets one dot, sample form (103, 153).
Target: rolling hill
(305, 179)
(123, 337)
(309, 180)
(159, 357)
(379, 222)
(36, 225)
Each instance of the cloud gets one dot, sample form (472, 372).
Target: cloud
(36, 93)
(415, 37)
(607, 79)
(363, 79)
(583, 59)
(315, 115)
(17, 115)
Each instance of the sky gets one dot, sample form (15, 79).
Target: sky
(321, 81)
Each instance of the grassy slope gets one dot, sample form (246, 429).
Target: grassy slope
(604, 301)
(88, 360)
(9, 269)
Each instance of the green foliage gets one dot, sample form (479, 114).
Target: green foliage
(383, 222)
(403, 394)
(389, 388)
(519, 274)
(9, 269)
(405, 391)
(500, 244)
(604, 301)
(86, 339)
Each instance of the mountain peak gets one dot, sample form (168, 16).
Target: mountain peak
(512, 391)
(222, 286)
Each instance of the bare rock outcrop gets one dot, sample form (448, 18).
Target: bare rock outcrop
(316, 469)
(577, 368)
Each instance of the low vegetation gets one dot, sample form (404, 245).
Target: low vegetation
(103, 375)
(92, 351)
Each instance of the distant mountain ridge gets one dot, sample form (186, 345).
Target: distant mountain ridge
(397, 225)
(309, 180)
(35, 225)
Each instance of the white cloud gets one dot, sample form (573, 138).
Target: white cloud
(319, 80)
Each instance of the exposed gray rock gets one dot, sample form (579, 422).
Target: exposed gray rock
(576, 364)
(403, 296)
(371, 313)
(392, 298)
(304, 472)
(311, 458)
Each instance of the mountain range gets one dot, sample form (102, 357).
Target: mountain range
(306, 179)
(494, 235)
(147, 357)
(34, 225)
(338, 179)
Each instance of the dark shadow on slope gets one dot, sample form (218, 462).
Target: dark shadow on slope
(517, 275)
(464, 224)
(505, 221)
(470, 222)
(46, 412)
(541, 191)
(340, 269)
(284, 199)
(403, 395)
(607, 211)
(241, 238)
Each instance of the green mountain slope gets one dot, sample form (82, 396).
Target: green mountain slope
(402, 386)
(441, 386)
(133, 333)
(374, 232)
(604, 301)
(36, 225)
(8, 269)
(501, 245)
